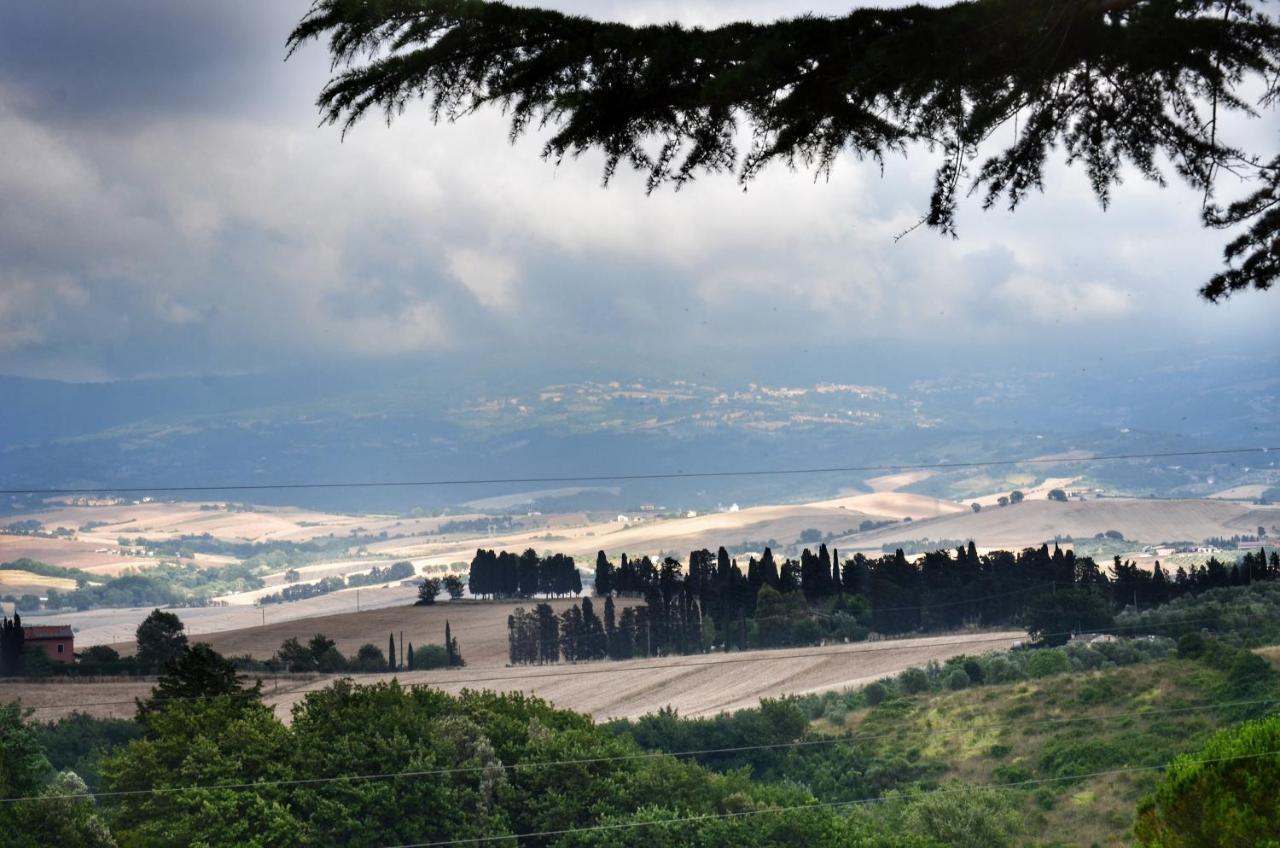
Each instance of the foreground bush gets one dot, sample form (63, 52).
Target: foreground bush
(1226, 795)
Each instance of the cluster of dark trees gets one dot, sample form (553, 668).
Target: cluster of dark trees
(12, 642)
(321, 654)
(712, 604)
(507, 575)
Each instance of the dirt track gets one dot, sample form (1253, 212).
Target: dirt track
(696, 686)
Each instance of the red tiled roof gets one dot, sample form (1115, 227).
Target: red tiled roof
(53, 631)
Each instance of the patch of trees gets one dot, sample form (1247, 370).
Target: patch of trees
(12, 645)
(320, 654)
(396, 571)
(164, 584)
(712, 605)
(207, 543)
(620, 775)
(911, 547)
(472, 744)
(476, 525)
(302, 591)
(327, 585)
(25, 527)
(507, 575)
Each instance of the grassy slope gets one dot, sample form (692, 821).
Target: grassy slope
(1011, 733)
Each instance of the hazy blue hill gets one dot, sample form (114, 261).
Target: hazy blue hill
(441, 423)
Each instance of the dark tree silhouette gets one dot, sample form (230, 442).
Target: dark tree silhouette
(12, 642)
(428, 589)
(160, 639)
(1109, 82)
(198, 672)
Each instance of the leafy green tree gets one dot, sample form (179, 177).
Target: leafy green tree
(23, 766)
(320, 645)
(1052, 617)
(428, 591)
(1113, 84)
(331, 662)
(295, 656)
(1044, 663)
(201, 744)
(40, 820)
(369, 658)
(160, 639)
(54, 820)
(972, 818)
(199, 672)
(1223, 795)
(454, 586)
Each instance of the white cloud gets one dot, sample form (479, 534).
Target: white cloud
(490, 277)
(235, 238)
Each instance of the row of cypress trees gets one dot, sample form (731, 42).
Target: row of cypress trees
(818, 597)
(507, 575)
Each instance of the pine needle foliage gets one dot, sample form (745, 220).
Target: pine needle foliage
(992, 86)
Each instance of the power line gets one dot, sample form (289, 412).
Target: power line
(589, 478)
(761, 655)
(645, 755)
(475, 840)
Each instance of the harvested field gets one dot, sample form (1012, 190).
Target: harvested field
(1033, 522)
(696, 686)
(20, 581)
(893, 482)
(756, 524)
(261, 524)
(117, 626)
(479, 626)
(65, 552)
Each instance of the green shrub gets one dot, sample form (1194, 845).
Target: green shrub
(1191, 645)
(1223, 795)
(1048, 662)
(956, 680)
(875, 693)
(913, 681)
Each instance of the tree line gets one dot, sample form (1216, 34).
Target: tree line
(508, 575)
(378, 574)
(712, 605)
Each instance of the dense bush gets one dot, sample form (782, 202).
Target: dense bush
(1225, 794)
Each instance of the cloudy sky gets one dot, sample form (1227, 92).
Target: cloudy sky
(170, 206)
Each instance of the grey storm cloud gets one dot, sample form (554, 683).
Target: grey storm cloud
(171, 205)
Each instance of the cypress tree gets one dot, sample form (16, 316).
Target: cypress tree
(410, 656)
(604, 575)
(12, 642)
(391, 651)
